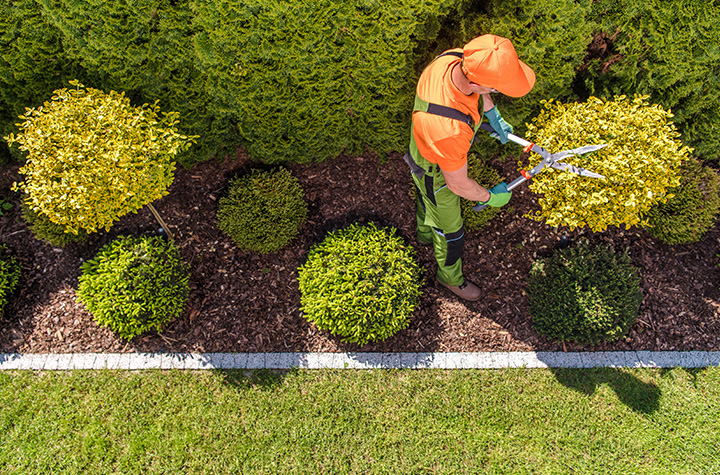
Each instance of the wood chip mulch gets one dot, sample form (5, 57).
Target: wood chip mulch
(243, 302)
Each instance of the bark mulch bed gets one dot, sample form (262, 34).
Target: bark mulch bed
(243, 302)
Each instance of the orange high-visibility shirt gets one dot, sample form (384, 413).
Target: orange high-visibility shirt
(441, 140)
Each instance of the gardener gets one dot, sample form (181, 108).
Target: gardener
(445, 119)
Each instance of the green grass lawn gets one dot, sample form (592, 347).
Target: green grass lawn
(514, 421)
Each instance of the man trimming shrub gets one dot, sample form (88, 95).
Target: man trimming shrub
(92, 157)
(446, 116)
(361, 283)
(263, 210)
(639, 164)
(586, 294)
(135, 284)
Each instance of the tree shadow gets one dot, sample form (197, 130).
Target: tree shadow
(638, 395)
(258, 379)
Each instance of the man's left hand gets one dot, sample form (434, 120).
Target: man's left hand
(499, 125)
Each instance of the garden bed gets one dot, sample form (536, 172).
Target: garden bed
(245, 302)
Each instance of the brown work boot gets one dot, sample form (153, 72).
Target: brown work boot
(466, 291)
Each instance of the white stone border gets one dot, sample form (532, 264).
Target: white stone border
(454, 360)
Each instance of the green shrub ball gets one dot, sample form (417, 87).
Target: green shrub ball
(586, 294)
(692, 209)
(134, 285)
(361, 283)
(263, 210)
(9, 276)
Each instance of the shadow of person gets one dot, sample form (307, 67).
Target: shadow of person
(638, 395)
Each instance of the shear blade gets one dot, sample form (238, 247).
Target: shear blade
(577, 151)
(577, 170)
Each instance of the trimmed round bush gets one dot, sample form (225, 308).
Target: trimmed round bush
(585, 294)
(9, 276)
(263, 210)
(135, 284)
(640, 163)
(692, 209)
(361, 283)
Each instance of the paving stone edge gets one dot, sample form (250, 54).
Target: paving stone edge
(438, 360)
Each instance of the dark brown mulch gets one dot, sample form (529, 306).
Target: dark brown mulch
(245, 302)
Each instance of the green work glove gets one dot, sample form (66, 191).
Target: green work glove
(498, 124)
(499, 196)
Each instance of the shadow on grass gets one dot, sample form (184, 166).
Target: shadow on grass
(259, 379)
(638, 395)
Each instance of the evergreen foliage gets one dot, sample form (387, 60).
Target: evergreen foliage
(586, 294)
(33, 64)
(309, 81)
(640, 162)
(9, 276)
(92, 157)
(551, 36)
(134, 285)
(52, 233)
(361, 283)
(263, 210)
(667, 49)
(692, 208)
(144, 48)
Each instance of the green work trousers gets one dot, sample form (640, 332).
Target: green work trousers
(439, 220)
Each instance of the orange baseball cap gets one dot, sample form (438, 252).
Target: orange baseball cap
(491, 61)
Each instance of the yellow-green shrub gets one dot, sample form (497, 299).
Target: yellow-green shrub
(92, 157)
(135, 284)
(639, 164)
(361, 283)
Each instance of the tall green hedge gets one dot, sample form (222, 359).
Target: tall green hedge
(669, 50)
(551, 36)
(304, 81)
(33, 63)
(310, 80)
(144, 48)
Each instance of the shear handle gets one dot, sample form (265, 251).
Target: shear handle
(513, 138)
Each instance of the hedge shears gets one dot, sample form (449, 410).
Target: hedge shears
(548, 160)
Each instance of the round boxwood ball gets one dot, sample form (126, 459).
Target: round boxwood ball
(135, 284)
(585, 294)
(263, 210)
(361, 283)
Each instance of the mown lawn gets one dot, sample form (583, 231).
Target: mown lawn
(516, 421)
